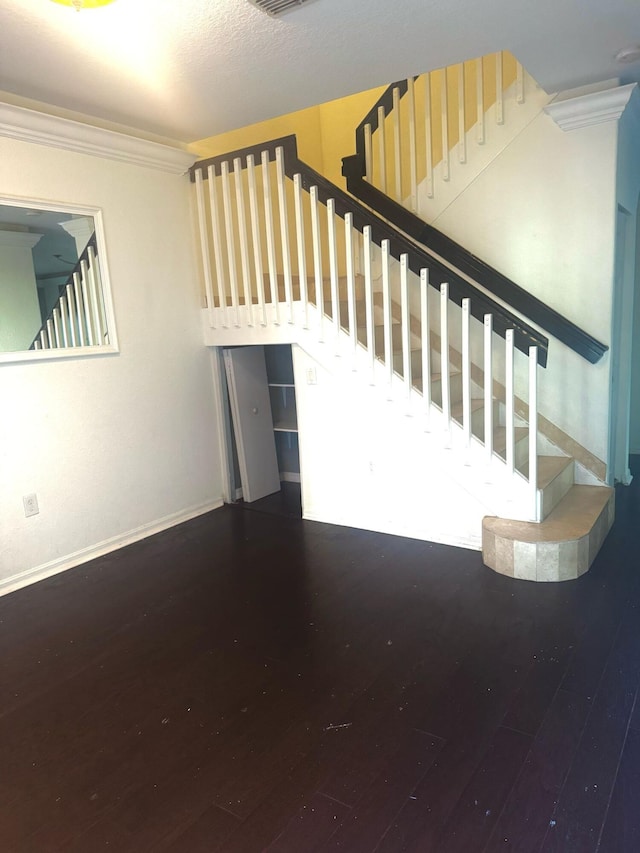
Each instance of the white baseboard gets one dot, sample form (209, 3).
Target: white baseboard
(70, 561)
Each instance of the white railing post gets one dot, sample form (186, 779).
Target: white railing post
(77, 292)
(72, 315)
(302, 257)
(317, 259)
(466, 371)
(368, 291)
(382, 149)
(499, 92)
(217, 245)
(231, 243)
(444, 357)
(368, 154)
(444, 109)
(425, 335)
(351, 284)
(509, 402)
(480, 136)
(255, 238)
(397, 150)
(333, 267)
(428, 138)
(242, 235)
(64, 311)
(271, 244)
(533, 432)
(284, 230)
(56, 327)
(386, 310)
(488, 388)
(84, 279)
(462, 133)
(51, 335)
(413, 159)
(519, 83)
(94, 293)
(406, 325)
(204, 247)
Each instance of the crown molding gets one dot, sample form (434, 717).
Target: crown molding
(571, 112)
(43, 129)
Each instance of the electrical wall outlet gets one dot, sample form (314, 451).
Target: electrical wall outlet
(30, 505)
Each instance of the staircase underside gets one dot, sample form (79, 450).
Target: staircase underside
(562, 547)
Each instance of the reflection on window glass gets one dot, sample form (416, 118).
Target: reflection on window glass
(51, 293)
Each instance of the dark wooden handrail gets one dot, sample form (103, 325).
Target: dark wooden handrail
(419, 257)
(354, 170)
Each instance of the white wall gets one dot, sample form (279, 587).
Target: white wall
(543, 213)
(114, 446)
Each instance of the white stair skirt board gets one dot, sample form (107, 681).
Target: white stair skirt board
(252, 421)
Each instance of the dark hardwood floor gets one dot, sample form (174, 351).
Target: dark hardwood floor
(249, 682)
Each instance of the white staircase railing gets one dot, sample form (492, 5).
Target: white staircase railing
(332, 281)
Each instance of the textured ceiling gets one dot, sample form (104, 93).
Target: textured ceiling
(186, 69)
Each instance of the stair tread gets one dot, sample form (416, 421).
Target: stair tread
(549, 467)
(573, 518)
(500, 437)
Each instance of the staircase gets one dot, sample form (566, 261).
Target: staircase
(288, 257)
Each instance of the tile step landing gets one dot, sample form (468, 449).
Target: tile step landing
(562, 547)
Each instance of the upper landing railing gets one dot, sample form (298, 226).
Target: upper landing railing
(383, 174)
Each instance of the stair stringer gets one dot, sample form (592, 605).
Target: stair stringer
(427, 484)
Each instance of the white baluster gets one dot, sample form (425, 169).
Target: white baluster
(333, 267)
(231, 245)
(462, 133)
(382, 149)
(64, 320)
(444, 356)
(317, 259)
(444, 108)
(302, 257)
(428, 135)
(94, 295)
(255, 237)
(51, 335)
(368, 154)
(499, 92)
(84, 279)
(533, 432)
(244, 244)
(56, 327)
(284, 231)
(386, 309)
(204, 247)
(413, 158)
(351, 284)
(509, 403)
(37, 344)
(425, 334)
(519, 83)
(72, 315)
(77, 292)
(368, 291)
(271, 245)
(216, 233)
(43, 340)
(466, 372)
(480, 135)
(488, 388)
(397, 149)
(406, 325)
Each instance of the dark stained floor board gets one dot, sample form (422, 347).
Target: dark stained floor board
(248, 681)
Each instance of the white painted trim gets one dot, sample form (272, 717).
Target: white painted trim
(43, 129)
(575, 109)
(70, 561)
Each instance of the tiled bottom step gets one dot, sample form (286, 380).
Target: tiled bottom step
(562, 547)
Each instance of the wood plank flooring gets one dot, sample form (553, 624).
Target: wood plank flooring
(252, 682)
